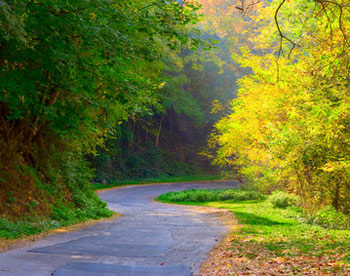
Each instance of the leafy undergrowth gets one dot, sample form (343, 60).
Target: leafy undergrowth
(160, 179)
(50, 191)
(206, 195)
(10, 244)
(270, 241)
(26, 213)
(63, 214)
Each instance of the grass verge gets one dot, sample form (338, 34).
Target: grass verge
(84, 207)
(9, 244)
(272, 241)
(28, 227)
(160, 179)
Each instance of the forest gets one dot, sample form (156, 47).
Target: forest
(100, 91)
(288, 129)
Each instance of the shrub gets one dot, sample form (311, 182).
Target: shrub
(205, 195)
(329, 217)
(239, 195)
(281, 199)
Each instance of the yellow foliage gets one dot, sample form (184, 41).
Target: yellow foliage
(289, 126)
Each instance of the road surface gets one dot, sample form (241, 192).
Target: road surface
(150, 238)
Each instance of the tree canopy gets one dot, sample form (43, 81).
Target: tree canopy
(289, 125)
(71, 71)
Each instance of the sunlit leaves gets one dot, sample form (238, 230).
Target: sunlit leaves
(289, 126)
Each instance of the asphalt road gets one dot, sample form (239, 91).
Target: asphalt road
(149, 239)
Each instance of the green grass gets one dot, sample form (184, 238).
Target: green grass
(280, 230)
(18, 229)
(268, 233)
(204, 195)
(84, 208)
(160, 179)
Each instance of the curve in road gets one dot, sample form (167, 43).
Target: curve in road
(150, 238)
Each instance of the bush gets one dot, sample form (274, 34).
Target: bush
(329, 217)
(240, 195)
(283, 200)
(205, 195)
(191, 195)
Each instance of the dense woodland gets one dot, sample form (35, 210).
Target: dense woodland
(97, 91)
(103, 91)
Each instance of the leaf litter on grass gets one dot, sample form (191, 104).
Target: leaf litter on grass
(264, 242)
(249, 255)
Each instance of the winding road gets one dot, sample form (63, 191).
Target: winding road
(150, 238)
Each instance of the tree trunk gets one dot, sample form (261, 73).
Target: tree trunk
(159, 130)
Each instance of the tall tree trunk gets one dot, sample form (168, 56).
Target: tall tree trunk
(131, 143)
(159, 130)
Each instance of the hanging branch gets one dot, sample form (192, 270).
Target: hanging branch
(325, 6)
(245, 7)
(282, 36)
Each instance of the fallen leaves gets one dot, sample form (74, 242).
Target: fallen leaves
(248, 255)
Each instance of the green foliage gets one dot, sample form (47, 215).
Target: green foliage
(61, 216)
(85, 205)
(265, 233)
(34, 205)
(328, 217)
(191, 195)
(90, 208)
(287, 129)
(191, 81)
(238, 195)
(70, 72)
(11, 230)
(143, 161)
(205, 195)
(281, 199)
(11, 27)
(89, 59)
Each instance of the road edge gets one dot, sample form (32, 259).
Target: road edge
(11, 244)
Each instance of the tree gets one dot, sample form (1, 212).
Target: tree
(71, 71)
(288, 129)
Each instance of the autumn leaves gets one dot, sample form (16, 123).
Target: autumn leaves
(289, 125)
